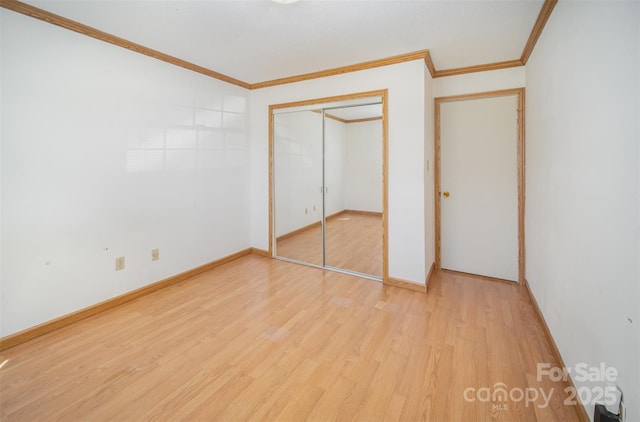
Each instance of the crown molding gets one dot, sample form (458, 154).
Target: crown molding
(52, 18)
(429, 63)
(416, 55)
(543, 17)
(478, 68)
(34, 12)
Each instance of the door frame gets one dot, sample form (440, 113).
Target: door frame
(383, 94)
(520, 95)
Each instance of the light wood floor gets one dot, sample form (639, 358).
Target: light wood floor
(262, 339)
(354, 242)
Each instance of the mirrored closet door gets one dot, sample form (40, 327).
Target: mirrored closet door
(328, 185)
(298, 196)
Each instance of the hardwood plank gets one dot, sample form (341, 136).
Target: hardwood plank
(262, 339)
(353, 242)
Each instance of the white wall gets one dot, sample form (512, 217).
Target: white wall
(363, 177)
(109, 153)
(405, 82)
(582, 186)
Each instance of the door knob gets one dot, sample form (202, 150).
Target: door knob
(445, 194)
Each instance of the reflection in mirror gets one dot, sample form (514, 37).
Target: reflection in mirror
(297, 166)
(353, 199)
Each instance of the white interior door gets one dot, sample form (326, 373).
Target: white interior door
(479, 173)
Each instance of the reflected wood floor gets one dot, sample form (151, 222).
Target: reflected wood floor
(262, 339)
(354, 242)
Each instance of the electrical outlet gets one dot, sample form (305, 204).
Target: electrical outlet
(306, 210)
(120, 263)
(155, 254)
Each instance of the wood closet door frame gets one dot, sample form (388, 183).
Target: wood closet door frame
(383, 94)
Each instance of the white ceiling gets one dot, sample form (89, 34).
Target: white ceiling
(258, 40)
